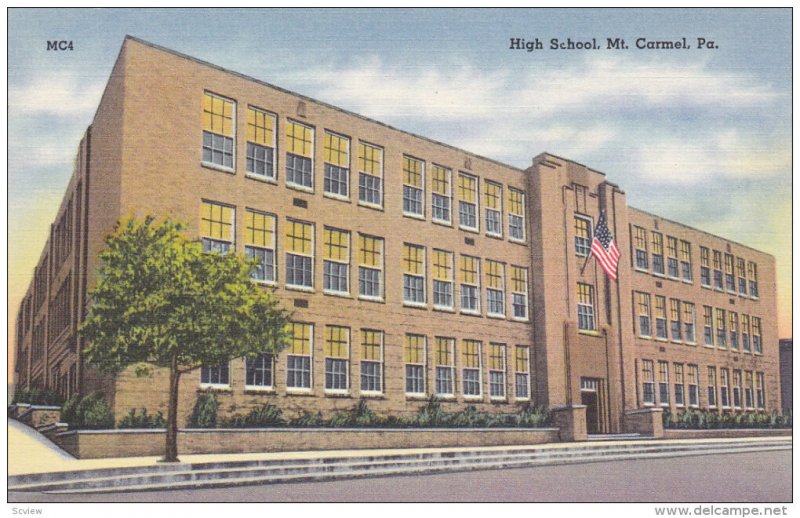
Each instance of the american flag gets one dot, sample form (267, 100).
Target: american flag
(604, 249)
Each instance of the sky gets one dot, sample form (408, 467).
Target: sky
(700, 136)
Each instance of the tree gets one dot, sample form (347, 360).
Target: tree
(161, 301)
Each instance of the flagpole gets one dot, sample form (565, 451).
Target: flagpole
(586, 261)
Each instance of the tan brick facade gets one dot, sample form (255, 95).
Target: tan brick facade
(144, 155)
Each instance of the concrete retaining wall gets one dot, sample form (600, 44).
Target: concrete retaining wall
(89, 444)
(733, 433)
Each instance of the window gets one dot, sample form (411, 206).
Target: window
(585, 307)
(299, 155)
(740, 274)
(724, 390)
(745, 333)
(445, 366)
(215, 375)
(757, 349)
(336, 261)
(259, 244)
(688, 322)
(679, 387)
(694, 377)
(686, 261)
(219, 131)
(516, 215)
(258, 371)
(298, 361)
(336, 155)
(708, 326)
(748, 390)
(760, 390)
(370, 175)
(470, 284)
(467, 201)
(442, 279)
(471, 367)
(495, 288)
(299, 254)
(722, 329)
(371, 361)
(658, 252)
(712, 387)
(672, 257)
(648, 386)
(663, 383)
(717, 270)
(441, 194)
(705, 267)
(493, 204)
(497, 371)
(583, 236)
(730, 280)
(260, 143)
(413, 274)
(661, 317)
(337, 358)
(675, 319)
(370, 267)
(216, 227)
(414, 358)
(522, 371)
(413, 186)
(643, 310)
(519, 292)
(733, 321)
(737, 389)
(640, 247)
(752, 279)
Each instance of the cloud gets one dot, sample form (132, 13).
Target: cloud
(61, 94)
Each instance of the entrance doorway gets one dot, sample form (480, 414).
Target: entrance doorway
(590, 397)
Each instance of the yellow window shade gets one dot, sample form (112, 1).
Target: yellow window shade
(469, 269)
(492, 195)
(216, 221)
(298, 139)
(658, 243)
(661, 307)
(494, 274)
(337, 339)
(467, 188)
(516, 201)
(369, 159)
(301, 338)
(337, 245)
(444, 351)
(414, 350)
(413, 259)
(298, 237)
(584, 294)
(336, 150)
(522, 358)
(259, 229)
(371, 345)
(217, 115)
(471, 354)
(412, 172)
(519, 279)
(442, 265)
(581, 227)
(370, 251)
(497, 357)
(260, 127)
(441, 180)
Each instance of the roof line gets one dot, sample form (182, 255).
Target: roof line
(321, 103)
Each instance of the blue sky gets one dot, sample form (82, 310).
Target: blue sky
(700, 136)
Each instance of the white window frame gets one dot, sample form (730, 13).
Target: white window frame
(206, 384)
(648, 382)
(349, 186)
(448, 196)
(346, 263)
(527, 373)
(423, 366)
(423, 276)
(213, 165)
(523, 223)
(451, 345)
(498, 212)
(310, 356)
(451, 282)
(578, 239)
(274, 177)
(502, 372)
(271, 386)
(379, 363)
(476, 204)
(379, 269)
(379, 176)
(479, 369)
(477, 287)
(274, 248)
(299, 287)
(292, 184)
(421, 214)
(502, 290)
(345, 390)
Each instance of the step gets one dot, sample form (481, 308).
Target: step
(224, 472)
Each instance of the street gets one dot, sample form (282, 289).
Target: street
(740, 477)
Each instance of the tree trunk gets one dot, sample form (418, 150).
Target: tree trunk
(171, 451)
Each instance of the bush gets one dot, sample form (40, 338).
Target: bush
(266, 416)
(360, 416)
(308, 420)
(204, 414)
(133, 420)
(706, 420)
(90, 412)
(37, 396)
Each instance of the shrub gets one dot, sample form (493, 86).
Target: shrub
(266, 416)
(133, 420)
(90, 412)
(37, 396)
(431, 415)
(204, 414)
(532, 417)
(705, 419)
(359, 416)
(308, 420)
(69, 410)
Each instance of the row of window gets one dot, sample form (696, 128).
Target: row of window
(259, 372)
(219, 128)
(721, 328)
(735, 389)
(732, 274)
(217, 231)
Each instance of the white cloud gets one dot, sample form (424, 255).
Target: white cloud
(60, 94)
